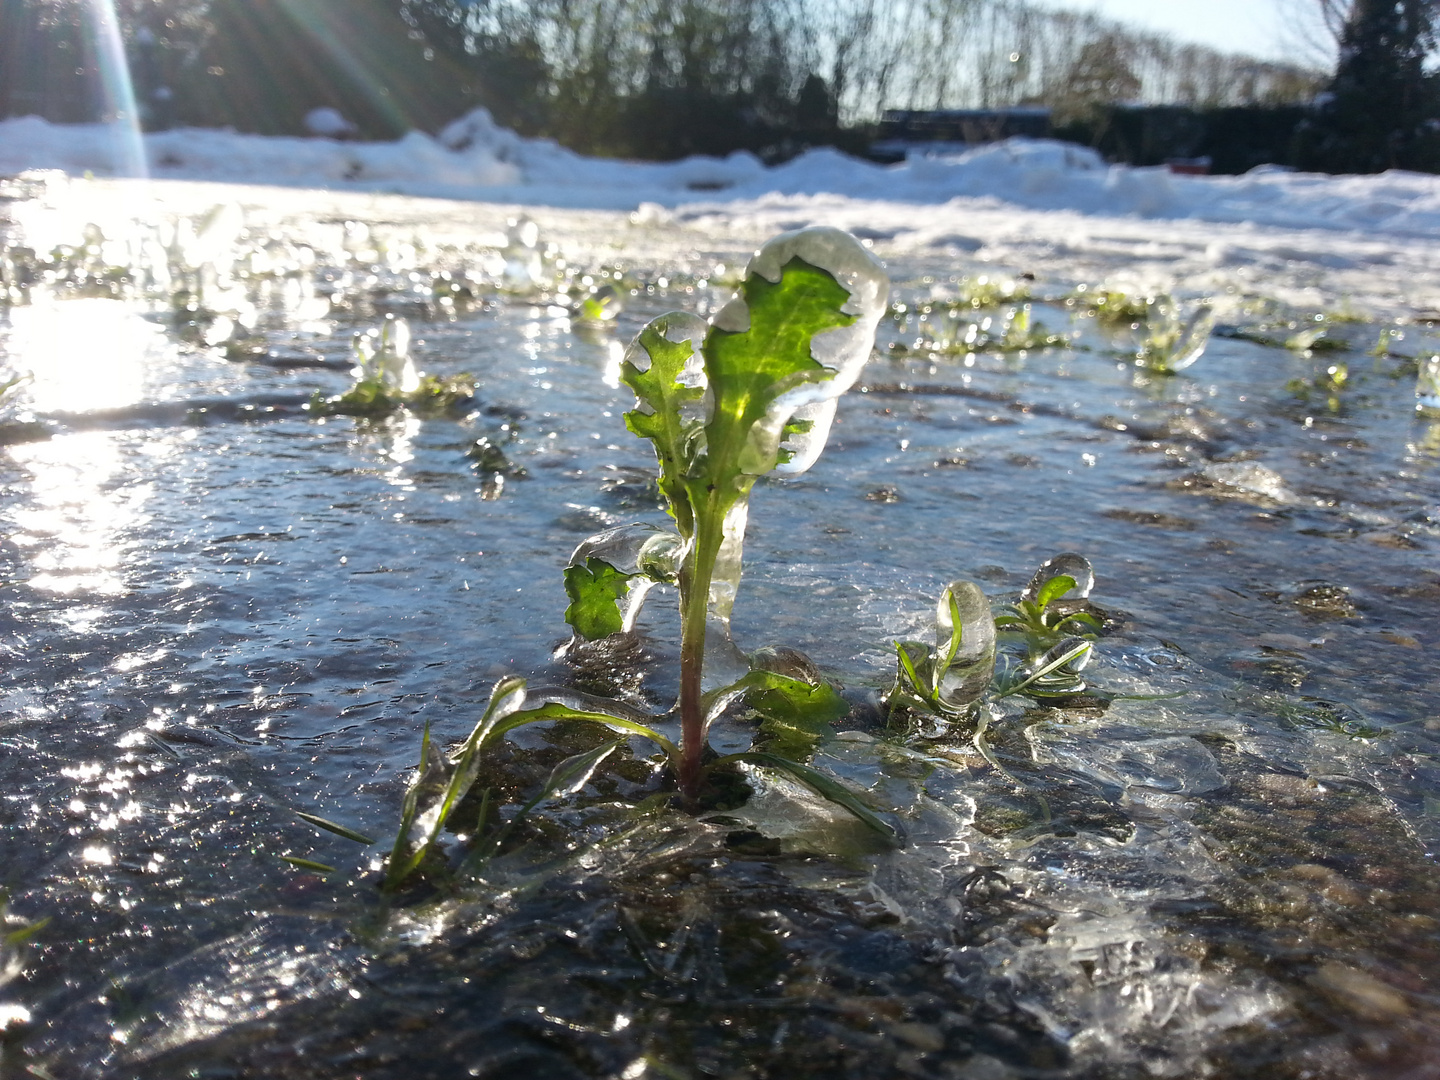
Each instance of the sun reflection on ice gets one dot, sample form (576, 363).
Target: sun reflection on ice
(76, 525)
(84, 354)
(84, 502)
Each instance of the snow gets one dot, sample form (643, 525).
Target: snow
(474, 159)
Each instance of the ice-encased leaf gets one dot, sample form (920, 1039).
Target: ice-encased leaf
(595, 589)
(571, 775)
(636, 548)
(383, 355)
(827, 787)
(440, 783)
(523, 265)
(795, 337)
(965, 645)
(1066, 564)
(1175, 342)
(664, 367)
(1056, 673)
(611, 573)
(796, 712)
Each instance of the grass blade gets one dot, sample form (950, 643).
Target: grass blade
(308, 864)
(334, 827)
(826, 787)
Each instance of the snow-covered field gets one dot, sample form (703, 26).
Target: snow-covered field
(1049, 208)
(475, 159)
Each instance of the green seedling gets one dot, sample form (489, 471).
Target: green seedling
(386, 379)
(752, 392)
(1171, 341)
(1328, 385)
(599, 306)
(1114, 307)
(1049, 609)
(948, 331)
(949, 679)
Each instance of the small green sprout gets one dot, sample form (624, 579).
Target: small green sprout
(1328, 385)
(1115, 307)
(949, 679)
(949, 682)
(386, 379)
(1049, 609)
(601, 305)
(1171, 341)
(752, 392)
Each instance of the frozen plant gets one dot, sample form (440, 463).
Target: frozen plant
(1048, 624)
(386, 378)
(948, 330)
(752, 392)
(1173, 341)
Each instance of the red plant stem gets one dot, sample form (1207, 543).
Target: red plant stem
(694, 581)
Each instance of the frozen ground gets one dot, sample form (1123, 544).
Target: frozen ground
(221, 610)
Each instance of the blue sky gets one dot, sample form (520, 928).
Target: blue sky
(1270, 29)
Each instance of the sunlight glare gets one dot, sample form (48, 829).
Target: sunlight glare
(84, 354)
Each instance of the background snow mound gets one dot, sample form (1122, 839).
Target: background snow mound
(475, 158)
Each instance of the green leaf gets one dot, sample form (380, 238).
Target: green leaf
(16, 938)
(308, 864)
(337, 829)
(1053, 589)
(795, 713)
(661, 417)
(571, 774)
(826, 787)
(749, 369)
(410, 849)
(913, 655)
(1082, 617)
(1054, 665)
(957, 631)
(554, 710)
(595, 591)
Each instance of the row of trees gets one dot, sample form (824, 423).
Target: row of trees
(651, 78)
(661, 78)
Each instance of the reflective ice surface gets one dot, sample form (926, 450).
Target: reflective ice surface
(218, 612)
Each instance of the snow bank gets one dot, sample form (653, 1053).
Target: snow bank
(475, 159)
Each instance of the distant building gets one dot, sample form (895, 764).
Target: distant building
(904, 132)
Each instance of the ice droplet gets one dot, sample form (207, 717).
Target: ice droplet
(523, 266)
(1249, 478)
(1427, 388)
(973, 664)
(1069, 564)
